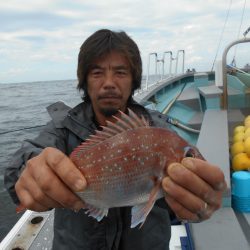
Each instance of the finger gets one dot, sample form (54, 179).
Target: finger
(55, 188)
(28, 202)
(48, 181)
(190, 181)
(183, 196)
(211, 174)
(181, 212)
(65, 169)
(36, 193)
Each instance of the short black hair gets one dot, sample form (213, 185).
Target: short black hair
(101, 43)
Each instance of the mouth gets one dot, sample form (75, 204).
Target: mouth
(109, 97)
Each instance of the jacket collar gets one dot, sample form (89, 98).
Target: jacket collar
(80, 119)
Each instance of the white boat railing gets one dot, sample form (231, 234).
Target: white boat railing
(162, 61)
(224, 70)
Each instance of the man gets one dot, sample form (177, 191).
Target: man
(42, 176)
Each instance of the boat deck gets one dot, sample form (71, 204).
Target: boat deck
(226, 229)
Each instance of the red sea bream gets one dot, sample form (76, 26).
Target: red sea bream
(124, 165)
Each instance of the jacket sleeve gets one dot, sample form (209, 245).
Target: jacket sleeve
(53, 135)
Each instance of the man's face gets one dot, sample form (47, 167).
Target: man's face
(109, 84)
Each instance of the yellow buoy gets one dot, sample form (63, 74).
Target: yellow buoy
(247, 121)
(247, 117)
(238, 137)
(247, 133)
(237, 147)
(239, 129)
(247, 146)
(240, 162)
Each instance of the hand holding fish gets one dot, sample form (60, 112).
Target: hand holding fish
(131, 174)
(49, 180)
(124, 165)
(193, 189)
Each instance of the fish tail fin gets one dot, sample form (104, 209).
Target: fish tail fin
(141, 211)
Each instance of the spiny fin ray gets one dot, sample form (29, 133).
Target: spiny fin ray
(124, 123)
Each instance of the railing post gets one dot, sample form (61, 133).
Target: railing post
(177, 56)
(224, 70)
(161, 61)
(170, 60)
(154, 53)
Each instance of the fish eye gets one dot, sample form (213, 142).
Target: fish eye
(189, 152)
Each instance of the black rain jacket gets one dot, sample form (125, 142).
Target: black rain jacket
(67, 129)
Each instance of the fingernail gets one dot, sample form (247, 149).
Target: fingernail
(175, 168)
(80, 185)
(188, 163)
(221, 186)
(166, 183)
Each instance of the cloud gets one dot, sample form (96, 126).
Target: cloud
(48, 34)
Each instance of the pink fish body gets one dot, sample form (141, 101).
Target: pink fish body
(124, 165)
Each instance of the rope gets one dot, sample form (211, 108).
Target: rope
(21, 129)
(238, 36)
(241, 71)
(177, 123)
(171, 103)
(246, 32)
(223, 29)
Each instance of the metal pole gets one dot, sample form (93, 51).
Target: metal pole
(162, 72)
(224, 70)
(170, 60)
(161, 61)
(149, 66)
(176, 64)
(155, 64)
(170, 65)
(183, 61)
(177, 57)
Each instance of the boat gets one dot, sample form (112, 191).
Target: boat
(195, 104)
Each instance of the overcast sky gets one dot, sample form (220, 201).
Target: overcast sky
(40, 39)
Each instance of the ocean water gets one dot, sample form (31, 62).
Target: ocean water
(22, 114)
(23, 105)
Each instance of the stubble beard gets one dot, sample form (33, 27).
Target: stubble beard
(108, 112)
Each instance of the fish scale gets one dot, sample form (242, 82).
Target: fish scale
(128, 176)
(124, 165)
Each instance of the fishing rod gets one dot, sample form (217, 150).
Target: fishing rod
(20, 129)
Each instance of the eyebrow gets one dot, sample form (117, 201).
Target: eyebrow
(116, 67)
(94, 66)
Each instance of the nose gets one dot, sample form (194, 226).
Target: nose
(109, 81)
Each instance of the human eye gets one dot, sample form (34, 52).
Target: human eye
(96, 72)
(121, 72)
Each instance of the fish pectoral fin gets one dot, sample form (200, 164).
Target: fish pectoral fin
(97, 213)
(141, 211)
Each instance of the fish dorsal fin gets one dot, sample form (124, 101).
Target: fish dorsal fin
(123, 123)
